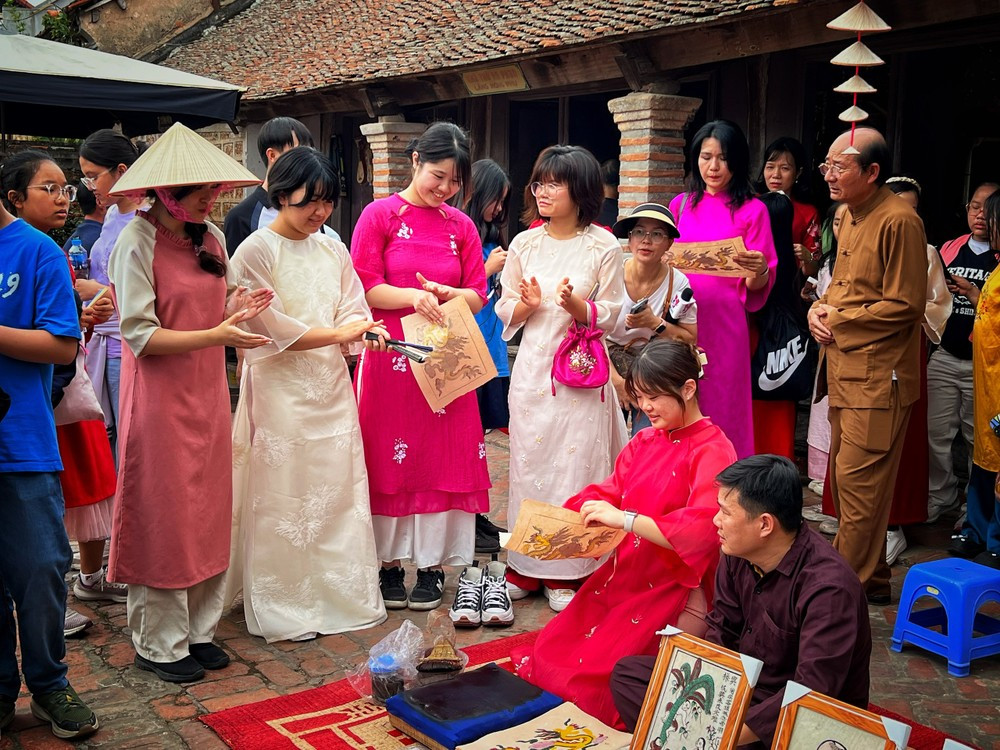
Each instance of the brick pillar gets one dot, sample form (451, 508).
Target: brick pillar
(652, 146)
(388, 139)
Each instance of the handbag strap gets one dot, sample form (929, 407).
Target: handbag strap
(670, 292)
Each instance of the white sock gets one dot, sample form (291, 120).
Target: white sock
(91, 579)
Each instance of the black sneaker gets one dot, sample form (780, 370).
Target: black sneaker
(182, 670)
(989, 559)
(209, 655)
(962, 546)
(69, 716)
(487, 535)
(429, 591)
(390, 583)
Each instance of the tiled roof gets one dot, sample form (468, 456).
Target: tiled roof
(279, 47)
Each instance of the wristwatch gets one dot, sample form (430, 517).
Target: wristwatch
(630, 516)
(660, 328)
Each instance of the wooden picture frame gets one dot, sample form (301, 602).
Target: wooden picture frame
(698, 695)
(813, 721)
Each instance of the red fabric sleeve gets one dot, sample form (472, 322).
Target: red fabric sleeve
(612, 488)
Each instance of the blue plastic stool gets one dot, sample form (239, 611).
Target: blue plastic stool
(961, 587)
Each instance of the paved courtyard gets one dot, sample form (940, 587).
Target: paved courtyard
(139, 711)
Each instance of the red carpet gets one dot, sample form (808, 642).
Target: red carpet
(333, 717)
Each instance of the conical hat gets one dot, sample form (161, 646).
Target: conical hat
(855, 85)
(853, 114)
(858, 55)
(182, 157)
(859, 18)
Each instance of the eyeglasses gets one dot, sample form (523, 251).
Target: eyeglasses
(974, 208)
(548, 187)
(825, 168)
(54, 191)
(91, 182)
(656, 236)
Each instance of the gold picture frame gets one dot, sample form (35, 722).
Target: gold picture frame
(813, 721)
(698, 695)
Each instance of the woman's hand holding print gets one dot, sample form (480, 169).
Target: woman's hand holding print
(603, 513)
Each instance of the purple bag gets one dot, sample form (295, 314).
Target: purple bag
(581, 360)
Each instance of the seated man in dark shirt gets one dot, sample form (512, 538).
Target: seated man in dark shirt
(782, 595)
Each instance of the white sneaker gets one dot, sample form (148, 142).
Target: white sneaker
(815, 514)
(830, 527)
(895, 543)
(516, 592)
(558, 598)
(75, 622)
(466, 611)
(497, 608)
(816, 486)
(101, 590)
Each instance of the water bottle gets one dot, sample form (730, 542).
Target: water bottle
(78, 259)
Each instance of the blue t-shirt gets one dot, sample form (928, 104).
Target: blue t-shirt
(35, 293)
(87, 231)
(489, 324)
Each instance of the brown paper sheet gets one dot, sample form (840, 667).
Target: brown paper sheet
(711, 258)
(551, 532)
(460, 361)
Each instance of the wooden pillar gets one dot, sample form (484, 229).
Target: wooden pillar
(388, 139)
(652, 146)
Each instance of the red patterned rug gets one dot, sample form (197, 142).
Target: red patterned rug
(333, 717)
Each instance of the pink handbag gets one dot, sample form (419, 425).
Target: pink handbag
(581, 360)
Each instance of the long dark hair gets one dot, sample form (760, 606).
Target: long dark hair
(489, 185)
(440, 142)
(662, 368)
(303, 166)
(737, 153)
(208, 261)
(108, 148)
(781, 213)
(16, 174)
(827, 239)
(991, 212)
(797, 152)
(579, 170)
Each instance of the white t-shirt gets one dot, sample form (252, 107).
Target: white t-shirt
(622, 335)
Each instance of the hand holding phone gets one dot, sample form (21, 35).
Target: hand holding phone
(639, 306)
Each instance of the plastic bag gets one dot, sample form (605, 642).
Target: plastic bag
(391, 666)
(440, 653)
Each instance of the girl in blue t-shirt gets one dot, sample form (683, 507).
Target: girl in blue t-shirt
(487, 206)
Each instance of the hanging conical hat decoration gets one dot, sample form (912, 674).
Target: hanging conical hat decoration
(858, 56)
(182, 157)
(859, 19)
(853, 114)
(855, 85)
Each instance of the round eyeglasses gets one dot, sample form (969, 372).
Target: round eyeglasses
(549, 187)
(55, 192)
(656, 236)
(91, 182)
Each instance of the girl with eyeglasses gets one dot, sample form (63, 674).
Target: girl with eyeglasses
(719, 204)
(559, 442)
(179, 306)
(35, 189)
(650, 231)
(104, 157)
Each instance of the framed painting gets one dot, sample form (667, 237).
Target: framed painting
(813, 721)
(697, 696)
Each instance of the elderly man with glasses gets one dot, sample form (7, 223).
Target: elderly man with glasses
(868, 328)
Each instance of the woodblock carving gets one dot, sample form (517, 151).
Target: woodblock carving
(549, 532)
(716, 258)
(460, 361)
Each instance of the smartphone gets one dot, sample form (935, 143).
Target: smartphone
(98, 296)
(639, 306)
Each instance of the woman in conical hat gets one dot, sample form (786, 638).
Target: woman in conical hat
(179, 306)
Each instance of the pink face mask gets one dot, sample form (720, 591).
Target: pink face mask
(177, 210)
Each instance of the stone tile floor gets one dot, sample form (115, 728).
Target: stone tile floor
(139, 711)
